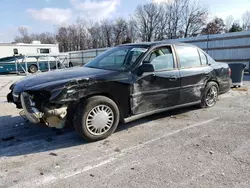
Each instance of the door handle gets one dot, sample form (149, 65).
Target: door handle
(173, 78)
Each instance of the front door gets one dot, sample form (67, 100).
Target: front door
(159, 89)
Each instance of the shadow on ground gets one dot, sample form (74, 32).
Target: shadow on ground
(18, 137)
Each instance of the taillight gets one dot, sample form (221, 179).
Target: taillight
(230, 72)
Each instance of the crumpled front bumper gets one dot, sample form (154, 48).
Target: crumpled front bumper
(31, 112)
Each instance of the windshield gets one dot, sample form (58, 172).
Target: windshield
(118, 58)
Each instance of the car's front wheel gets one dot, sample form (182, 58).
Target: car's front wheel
(210, 95)
(96, 118)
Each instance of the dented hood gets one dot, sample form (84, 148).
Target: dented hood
(59, 77)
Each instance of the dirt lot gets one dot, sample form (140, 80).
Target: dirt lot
(190, 147)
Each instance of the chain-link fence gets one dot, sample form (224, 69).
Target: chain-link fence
(79, 58)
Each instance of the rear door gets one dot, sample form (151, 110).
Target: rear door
(159, 89)
(194, 73)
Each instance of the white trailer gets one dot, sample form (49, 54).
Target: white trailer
(7, 50)
(25, 57)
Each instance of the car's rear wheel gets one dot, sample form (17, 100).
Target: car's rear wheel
(210, 95)
(96, 118)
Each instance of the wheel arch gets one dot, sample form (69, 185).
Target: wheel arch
(208, 81)
(213, 80)
(105, 94)
(205, 90)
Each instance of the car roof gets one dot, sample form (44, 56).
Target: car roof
(157, 43)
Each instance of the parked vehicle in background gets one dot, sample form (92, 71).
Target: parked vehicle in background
(122, 84)
(17, 64)
(7, 50)
(12, 53)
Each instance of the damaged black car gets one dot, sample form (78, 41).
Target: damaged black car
(123, 84)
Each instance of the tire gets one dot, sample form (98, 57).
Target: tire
(206, 94)
(86, 122)
(33, 68)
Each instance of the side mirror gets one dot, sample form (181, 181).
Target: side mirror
(146, 67)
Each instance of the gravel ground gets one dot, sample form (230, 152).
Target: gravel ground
(189, 147)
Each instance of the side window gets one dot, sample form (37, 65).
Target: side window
(44, 51)
(161, 58)
(188, 56)
(15, 51)
(203, 58)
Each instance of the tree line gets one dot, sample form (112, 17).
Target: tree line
(149, 22)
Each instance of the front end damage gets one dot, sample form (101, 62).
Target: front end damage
(50, 104)
(51, 114)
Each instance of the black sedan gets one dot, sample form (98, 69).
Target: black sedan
(122, 84)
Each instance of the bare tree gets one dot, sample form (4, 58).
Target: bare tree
(147, 19)
(169, 20)
(120, 30)
(246, 20)
(24, 35)
(150, 22)
(163, 20)
(194, 17)
(44, 38)
(106, 29)
(72, 37)
(95, 37)
(229, 22)
(180, 18)
(131, 30)
(62, 39)
(175, 10)
(82, 33)
(216, 26)
(23, 31)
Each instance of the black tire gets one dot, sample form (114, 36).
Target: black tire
(32, 68)
(83, 110)
(58, 65)
(209, 86)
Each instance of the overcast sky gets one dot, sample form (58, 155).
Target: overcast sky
(44, 15)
